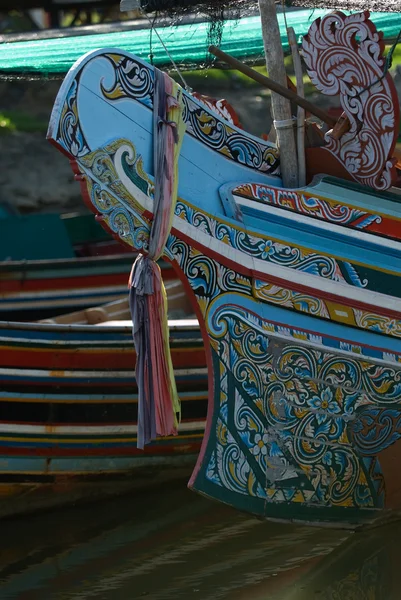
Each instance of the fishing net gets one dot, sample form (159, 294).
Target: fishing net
(216, 12)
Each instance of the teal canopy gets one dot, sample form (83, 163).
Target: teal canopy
(187, 44)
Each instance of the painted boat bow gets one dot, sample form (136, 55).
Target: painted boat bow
(304, 412)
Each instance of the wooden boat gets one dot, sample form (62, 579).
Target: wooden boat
(297, 290)
(38, 289)
(51, 264)
(69, 407)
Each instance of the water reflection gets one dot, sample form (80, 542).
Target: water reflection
(167, 544)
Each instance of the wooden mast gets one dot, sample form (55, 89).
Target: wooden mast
(281, 107)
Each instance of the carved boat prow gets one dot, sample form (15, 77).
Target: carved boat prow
(344, 57)
(297, 293)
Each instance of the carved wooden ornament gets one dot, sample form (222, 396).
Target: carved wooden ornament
(344, 55)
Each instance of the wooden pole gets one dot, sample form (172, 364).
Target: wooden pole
(281, 107)
(273, 85)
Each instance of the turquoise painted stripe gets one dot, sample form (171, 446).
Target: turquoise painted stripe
(353, 194)
(349, 249)
(186, 43)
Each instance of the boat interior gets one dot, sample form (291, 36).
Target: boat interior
(118, 313)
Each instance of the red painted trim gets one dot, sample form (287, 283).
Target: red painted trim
(209, 363)
(84, 358)
(63, 283)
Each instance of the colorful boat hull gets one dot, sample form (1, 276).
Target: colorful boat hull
(68, 405)
(31, 290)
(300, 308)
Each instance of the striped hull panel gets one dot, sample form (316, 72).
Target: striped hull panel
(40, 289)
(68, 403)
(45, 450)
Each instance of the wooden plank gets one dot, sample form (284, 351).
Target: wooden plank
(178, 302)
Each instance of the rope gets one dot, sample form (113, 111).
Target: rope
(153, 28)
(284, 15)
(285, 124)
(151, 55)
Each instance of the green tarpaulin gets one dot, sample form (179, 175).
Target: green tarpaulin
(186, 43)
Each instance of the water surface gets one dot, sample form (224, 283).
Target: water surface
(168, 543)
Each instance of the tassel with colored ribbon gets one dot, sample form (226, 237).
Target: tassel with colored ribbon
(158, 403)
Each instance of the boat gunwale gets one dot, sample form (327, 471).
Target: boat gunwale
(174, 325)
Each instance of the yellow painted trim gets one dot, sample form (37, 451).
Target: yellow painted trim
(340, 313)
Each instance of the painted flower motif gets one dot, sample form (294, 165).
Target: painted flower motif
(328, 459)
(391, 325)
(267, 248)
(260, 446)
(325, 402)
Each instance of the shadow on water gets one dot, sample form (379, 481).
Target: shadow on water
(169, 544)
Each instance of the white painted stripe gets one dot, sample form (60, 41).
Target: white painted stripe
(106, 374)
(341, 313)
(128, 323)
(87, 429)
(122, 327)
(357, 234)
